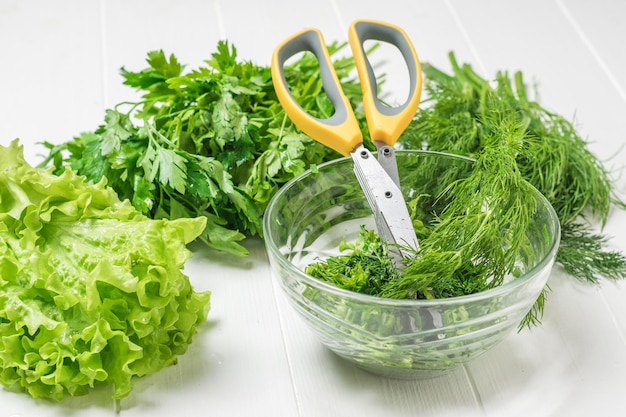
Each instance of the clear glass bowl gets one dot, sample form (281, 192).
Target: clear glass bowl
(309, 217)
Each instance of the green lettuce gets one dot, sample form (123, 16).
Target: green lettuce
(91, 291)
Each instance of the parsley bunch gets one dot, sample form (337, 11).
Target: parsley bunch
(212, 142)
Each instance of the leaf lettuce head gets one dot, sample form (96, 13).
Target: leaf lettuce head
(92, 292)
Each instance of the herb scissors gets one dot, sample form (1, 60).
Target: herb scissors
(378, 177)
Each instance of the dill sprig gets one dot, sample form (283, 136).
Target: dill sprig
(584, 254)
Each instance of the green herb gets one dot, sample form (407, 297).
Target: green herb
(583, 254)
(465, 253)
(461, 244)
(516, 143)
(552, 157)
(91, 291)
(366, 268)
(213, 142)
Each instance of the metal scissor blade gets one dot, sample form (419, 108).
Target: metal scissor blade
(387, 158)
(385, 198)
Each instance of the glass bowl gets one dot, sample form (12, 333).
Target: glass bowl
(309, 217)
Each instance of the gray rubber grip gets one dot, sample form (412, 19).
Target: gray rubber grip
(372, 31)
(312, 41)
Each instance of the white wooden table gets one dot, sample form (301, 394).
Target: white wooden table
(59, 70)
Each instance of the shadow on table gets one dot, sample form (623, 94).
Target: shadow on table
(450, 394)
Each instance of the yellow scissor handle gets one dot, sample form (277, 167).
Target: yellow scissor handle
(341, 131)
(385, 123)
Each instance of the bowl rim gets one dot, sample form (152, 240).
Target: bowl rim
(402, 302)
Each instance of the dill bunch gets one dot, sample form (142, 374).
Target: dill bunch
(552, 156)
(464, 253)
(463, 218)
(471, 226)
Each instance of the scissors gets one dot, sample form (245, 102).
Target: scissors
(378, 177)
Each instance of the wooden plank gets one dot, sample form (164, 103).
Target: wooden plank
(236, 365)
(325, 384)
(257, 27)
(240, 349)
(50, 71)
(255, 356)
(561, 368)
(188, 29)
(238, 362)
(539, 40)
(572, 364)
(599, 26)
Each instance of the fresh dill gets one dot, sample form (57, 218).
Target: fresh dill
(553, 157)
(517, 144)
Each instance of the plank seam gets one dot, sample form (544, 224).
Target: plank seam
(591, 48)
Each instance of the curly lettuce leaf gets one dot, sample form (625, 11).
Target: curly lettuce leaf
(91, 291)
